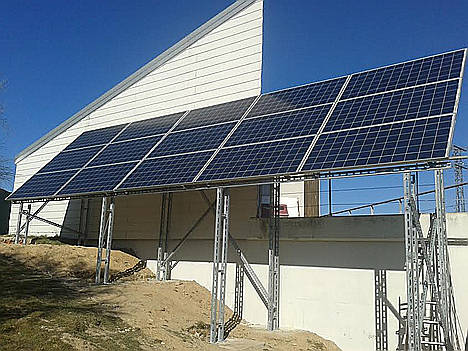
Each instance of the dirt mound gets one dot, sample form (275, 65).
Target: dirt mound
(44, 310)
(70, 261)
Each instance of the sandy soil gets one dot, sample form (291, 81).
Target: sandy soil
(71, 261)
(170, 315)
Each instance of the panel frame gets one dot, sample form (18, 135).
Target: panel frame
(296, 87)
(147, 188)
(92, 158)
(377, 165)
(324, 123)
(418, 164)
(194, 180)
(408, 61)
(151, 150)
(457, 101)
(390, 95)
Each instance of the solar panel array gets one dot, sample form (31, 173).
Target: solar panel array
(402, 113)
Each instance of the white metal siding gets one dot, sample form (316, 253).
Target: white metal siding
(224, 65)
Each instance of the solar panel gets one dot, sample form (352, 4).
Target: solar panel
(391, 115)
(148, 127)
(71, 159)
(229, 111)
(42, 185)
(96, 137)
(97, 179)
(278, 157)
(421, 139)
(422, 71)
(279, 126)
(166, 170)
(132, 150)
(193, 140)
(294, 98)
(424, 101)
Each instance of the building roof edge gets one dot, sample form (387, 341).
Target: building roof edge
(160, 60)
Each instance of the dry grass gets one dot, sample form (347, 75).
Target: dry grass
(47, 302)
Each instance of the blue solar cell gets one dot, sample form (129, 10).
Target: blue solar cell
(71, 159)
(42, 185)
(422, 71)
(132, 150)
(396, 114)
(96, 137)
(193, 140)
(428, 100)
(229, 111)
(97, 179)
(268, 159)
(148, 127)
(167, 170)
(279, 126)
(294, 98)
(420, 139)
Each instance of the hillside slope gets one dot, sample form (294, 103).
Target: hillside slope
(48, 303)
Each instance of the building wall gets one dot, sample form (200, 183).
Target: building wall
(327, 264)
(224, 65)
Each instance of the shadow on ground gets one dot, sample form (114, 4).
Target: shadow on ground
(39, 311)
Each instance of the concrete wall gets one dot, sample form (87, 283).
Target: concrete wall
(222, 66)
(327, 264)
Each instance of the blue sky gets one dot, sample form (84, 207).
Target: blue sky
(60, 55)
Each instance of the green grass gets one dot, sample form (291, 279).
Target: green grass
(38, 312)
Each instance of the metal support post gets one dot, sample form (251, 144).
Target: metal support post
(239, 292)
(273, 259)
(159, 268)
(216, 256)
(446, 299)
(163, 270)
(381, 329)
(220, 248)
(223, 268)
(412, 269)
(26, 230)
(458, 167)
(18, 223)
(84, 210)
(110, 229)
(102, 234)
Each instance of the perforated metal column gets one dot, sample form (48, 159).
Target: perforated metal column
(273, 259)
(381, 329)
(220, 249)
(101, 238)
(412, 269)
(163, 269)
(105, 235)
(18, 224)
(110, 229)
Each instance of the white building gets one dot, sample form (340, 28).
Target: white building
(327, 273)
